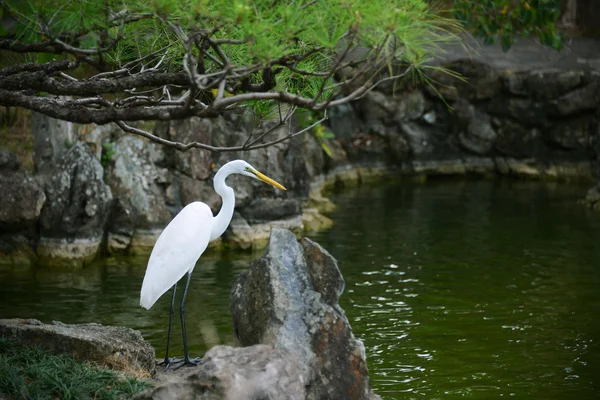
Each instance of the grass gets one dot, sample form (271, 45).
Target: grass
(33, 373)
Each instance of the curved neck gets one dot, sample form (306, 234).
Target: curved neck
(223, 218)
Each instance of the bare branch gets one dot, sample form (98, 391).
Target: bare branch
(282, 121)
(216, 149)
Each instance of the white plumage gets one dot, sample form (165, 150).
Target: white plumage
(183, 241)
(176, 251)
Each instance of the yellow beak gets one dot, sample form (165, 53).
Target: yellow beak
(265, 178)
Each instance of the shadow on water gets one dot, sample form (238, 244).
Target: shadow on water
(475, 289)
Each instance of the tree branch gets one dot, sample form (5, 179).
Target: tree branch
(217, 149)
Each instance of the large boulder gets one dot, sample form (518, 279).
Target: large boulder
(196, 190)
(138, 182)
(195, 163)
(553, 82)
(289, 300)
(256, 372)
(52, 138)
(8, 161)
(21, 201)
(73, 220)
(115, 347)
(516, 140)
(579, 100)
(476, 132)
(21, 198)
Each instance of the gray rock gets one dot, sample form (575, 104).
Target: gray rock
(289, 299)
(242, 235)
(585, 98)
(480, 81)
(418, 139)
(366, 149)
(21, 202)
(310, 152)
(314, 221)
(324, 273)
(76, 211)
(21, 199)
(479, 165)
(97, 135)
(344, 122)
(524, 111)
(232, 129)
(430, 117)
(399, 147)
(52, 139)
(376, 105)
(572, 134)
(8, 161)
(267, 209)
(117, 242)
(477, 135)
(410, 106)
(115, 347)
(516, 140)
(195, 163)
(303, 160)
(121, 226)
(429, 142)
(596, 150)
(256, 372)
(196, 190)
(135, 178)
(551, 83)
(515, 82)
(78, 198)
(17, 249)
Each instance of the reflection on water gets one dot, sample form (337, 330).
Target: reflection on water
(473, 289)
(458, 289)
(108, 293)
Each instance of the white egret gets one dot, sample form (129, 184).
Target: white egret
(183, 241)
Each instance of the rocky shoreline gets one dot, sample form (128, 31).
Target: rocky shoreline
(297, 341)
(530, 113)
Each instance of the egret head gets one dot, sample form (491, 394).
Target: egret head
(244, 168)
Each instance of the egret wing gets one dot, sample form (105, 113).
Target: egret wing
(176, 251)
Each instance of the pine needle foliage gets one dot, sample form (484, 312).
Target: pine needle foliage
(279, 51)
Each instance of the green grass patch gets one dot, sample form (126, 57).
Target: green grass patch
(33, 373)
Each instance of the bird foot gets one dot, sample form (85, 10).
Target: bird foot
(186, 362)
(168, 362)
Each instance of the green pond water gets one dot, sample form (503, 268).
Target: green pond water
(459, 289)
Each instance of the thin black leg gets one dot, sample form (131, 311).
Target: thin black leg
(186, 358)
(167, 361)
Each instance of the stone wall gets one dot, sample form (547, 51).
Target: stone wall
(529, 113)
(535, 123)
(108, 192)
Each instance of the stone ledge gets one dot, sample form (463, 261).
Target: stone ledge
(115, 347)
